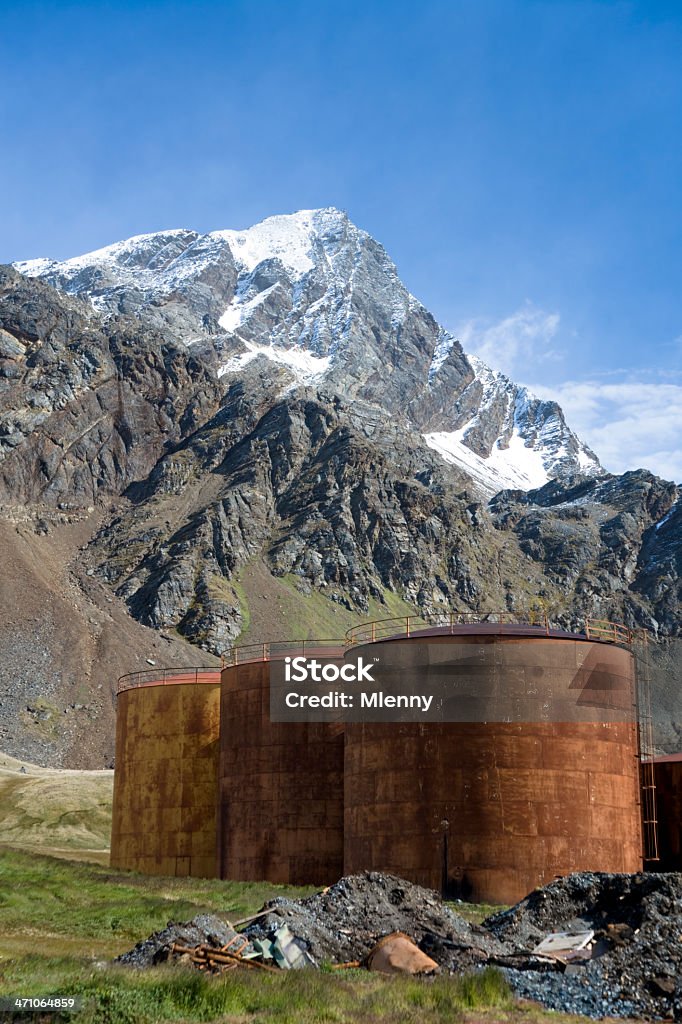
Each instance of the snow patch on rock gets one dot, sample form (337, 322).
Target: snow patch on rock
(287, 238)
(516, 466)
(306, 368)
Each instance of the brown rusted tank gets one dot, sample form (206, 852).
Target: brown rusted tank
(490, 809)
(165, 782)
(280, 785)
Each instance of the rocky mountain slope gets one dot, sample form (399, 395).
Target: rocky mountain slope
(211, 439)
(321, 298)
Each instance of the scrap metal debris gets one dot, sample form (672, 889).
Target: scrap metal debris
(207, 958)
(566, 946)
(398, 954)
(285, 950)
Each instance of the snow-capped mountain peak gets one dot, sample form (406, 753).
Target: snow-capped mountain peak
(315, 294)
(287, 237)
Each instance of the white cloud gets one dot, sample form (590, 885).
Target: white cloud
(523, 338)
(629, 423)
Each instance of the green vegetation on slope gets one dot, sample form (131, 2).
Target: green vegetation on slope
(277, 609)
(109, 910)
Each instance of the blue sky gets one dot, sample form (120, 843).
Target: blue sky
(521, 162)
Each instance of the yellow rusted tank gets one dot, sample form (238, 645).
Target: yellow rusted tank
(165, 782)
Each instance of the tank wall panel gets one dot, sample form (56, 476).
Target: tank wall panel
(502, 823)
(281, 788)
(668, 780)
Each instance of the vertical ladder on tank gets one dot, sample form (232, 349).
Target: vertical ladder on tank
(646, 740)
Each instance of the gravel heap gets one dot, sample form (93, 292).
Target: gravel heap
(346, 920)
(202, 929)
(637, 921)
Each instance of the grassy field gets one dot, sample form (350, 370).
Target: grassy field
(99, 912)
(61, 923)
(298, 997)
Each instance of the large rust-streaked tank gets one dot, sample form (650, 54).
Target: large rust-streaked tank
(165, 783)
(280, 784)
(490, 809)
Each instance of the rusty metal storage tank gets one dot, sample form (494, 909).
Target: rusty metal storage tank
(489, 809)
(280, 783)
(165, 783)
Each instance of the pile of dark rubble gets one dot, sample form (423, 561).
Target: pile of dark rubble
(344, 922)
(632, 966)
(636, 966)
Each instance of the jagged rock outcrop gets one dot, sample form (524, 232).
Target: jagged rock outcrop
(598, 541)
(86, 410)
